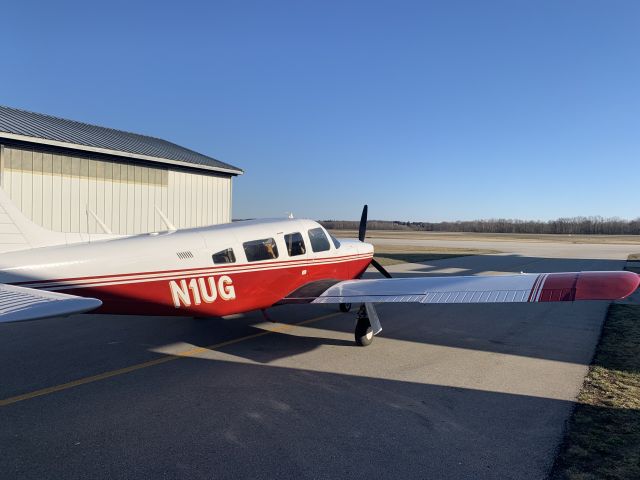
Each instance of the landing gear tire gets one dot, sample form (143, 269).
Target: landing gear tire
(363, 332)
(345, 307)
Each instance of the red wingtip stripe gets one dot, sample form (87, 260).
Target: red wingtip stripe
(562, 287)
(534, 289)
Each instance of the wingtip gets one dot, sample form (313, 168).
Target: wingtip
(91, 303)
(606, 285)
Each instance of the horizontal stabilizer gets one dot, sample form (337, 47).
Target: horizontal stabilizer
(19, 303)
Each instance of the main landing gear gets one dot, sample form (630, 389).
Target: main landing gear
(363, 332)
(345, 307)
(367, 323)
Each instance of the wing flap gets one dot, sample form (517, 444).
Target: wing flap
(20, 304)
(543, 287)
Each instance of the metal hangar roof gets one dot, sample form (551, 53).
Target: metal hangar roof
(33, 127)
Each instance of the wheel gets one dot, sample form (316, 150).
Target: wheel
(363, 332)
(345, 307)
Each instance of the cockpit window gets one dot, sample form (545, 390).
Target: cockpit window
(295, 244)
(224, 256)
(319, 241)
(265, 249)
(335, 241)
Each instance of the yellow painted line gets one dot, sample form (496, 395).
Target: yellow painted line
(157, 361)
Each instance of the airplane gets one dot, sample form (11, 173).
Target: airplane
(244, 266)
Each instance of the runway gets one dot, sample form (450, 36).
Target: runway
(447, 391)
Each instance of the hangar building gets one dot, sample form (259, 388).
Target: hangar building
(69, 176)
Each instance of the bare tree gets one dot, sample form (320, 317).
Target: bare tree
(594, 225)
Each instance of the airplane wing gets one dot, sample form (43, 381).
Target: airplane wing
(539, 287)
(20, 303)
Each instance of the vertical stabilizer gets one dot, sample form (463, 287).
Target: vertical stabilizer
(17, 232)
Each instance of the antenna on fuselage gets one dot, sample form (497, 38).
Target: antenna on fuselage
(170, 226)
(98, 220)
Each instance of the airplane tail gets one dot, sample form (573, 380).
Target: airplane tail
(17, 232)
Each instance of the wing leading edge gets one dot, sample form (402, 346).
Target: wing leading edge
(20, 303)
(541, 287)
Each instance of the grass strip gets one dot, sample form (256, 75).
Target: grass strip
(603, 436)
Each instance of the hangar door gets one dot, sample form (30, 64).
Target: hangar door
(55, 191)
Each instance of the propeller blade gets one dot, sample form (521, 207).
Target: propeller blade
(380, 268)
(362, 231)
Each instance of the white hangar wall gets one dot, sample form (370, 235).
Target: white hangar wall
(55, 190)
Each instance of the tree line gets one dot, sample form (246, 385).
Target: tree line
(574, 226)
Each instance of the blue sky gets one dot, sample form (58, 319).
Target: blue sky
(425, 110)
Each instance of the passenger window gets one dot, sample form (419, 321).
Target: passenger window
(265, 249)
(295, 244)
(335, 241)
(224, 256)
(319, 241)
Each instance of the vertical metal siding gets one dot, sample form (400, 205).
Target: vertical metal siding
(56, 193)
(165, 195)
(26, 192)
(109, 207)
(55, 190)
(47, 190)
(65, 211)
(36, 185)
(16, 184)
(100, 193)
(74, 190)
